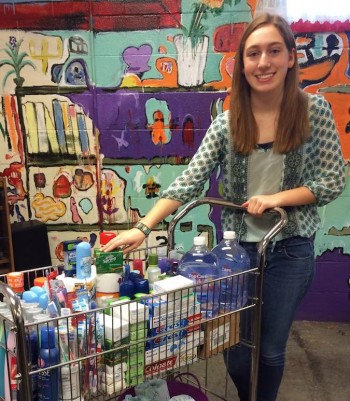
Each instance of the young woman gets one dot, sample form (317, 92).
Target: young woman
(278, 147)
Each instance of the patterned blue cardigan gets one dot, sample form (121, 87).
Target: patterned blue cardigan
(318, 165)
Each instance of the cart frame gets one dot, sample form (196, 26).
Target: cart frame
(23, 377)
(261, 259)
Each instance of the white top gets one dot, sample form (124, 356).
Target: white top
(229, 235)
(199, 240)
(264, 177)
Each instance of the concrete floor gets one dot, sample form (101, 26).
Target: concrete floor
(317, 366)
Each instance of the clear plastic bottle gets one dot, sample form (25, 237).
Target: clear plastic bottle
(202, 266)
(164, 262)
(233, 259)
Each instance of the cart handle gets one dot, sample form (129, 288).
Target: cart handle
(22, 377)
(222, 202)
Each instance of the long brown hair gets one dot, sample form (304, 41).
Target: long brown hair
(293, 123)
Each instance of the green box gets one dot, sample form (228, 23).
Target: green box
(109, 262)
(138, 335)
(134, 380)
(116, 355)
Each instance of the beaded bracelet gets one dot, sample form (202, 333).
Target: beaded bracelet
(143, 228)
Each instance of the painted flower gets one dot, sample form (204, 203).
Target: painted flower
(200, 11)
(15, 60)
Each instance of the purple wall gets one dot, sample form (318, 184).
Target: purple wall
(329, 296)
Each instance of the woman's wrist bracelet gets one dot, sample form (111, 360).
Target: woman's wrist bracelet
(143, 228)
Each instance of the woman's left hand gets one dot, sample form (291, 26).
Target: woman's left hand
(257, 204)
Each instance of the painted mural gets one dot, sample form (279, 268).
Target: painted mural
(104, 103)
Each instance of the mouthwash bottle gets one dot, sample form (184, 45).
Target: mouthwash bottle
(202, 266)
(233, 262)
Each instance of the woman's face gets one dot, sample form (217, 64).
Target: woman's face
(266, 60)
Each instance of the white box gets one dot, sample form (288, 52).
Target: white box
(176, 287)
(133, 312)
(114, 387)
(115, 328)
(116, 369)
(110, 379)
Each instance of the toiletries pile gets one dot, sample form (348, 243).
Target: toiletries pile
(109, 326)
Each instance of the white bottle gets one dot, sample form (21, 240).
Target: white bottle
(153, 271)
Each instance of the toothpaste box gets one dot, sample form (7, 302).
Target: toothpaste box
(164, 339)
(159, 305)
(175, 347)
(155, 369)
(171, 318)
(188, 325)
(173, 325)
(169, 359)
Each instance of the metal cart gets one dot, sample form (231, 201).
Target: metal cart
(96, 379)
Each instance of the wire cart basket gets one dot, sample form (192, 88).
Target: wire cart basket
(105, 352)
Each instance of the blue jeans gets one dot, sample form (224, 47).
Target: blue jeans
(289, 271)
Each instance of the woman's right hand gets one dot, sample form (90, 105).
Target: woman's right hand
(126, 240)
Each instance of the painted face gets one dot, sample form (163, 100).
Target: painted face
(266, 60)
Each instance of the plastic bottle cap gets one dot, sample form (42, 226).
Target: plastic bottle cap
(40, 281)
(229, 235)
(162, 252)
(106, 236)
(138, 266)
(152, 259)
(199, 240)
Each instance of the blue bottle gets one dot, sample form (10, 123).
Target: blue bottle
(127, 287)
(233, 259)
(83, 260)
(201, 266)
(33, 349)
(48, 380)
